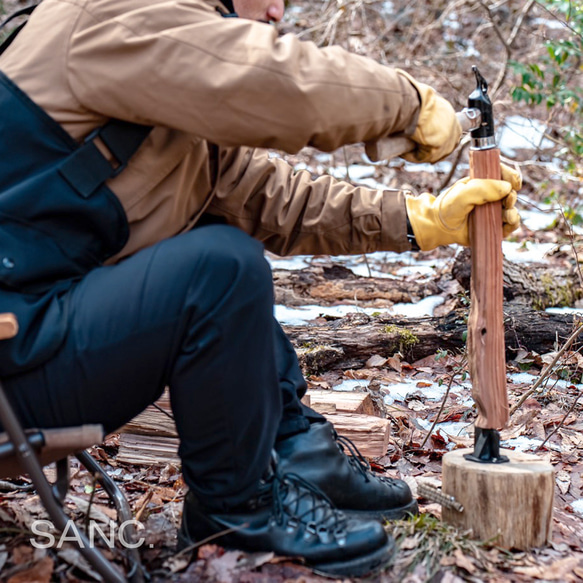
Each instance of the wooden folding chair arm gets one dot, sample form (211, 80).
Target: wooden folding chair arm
(50, 445)
(8, 326)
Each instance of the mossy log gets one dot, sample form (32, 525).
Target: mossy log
(350, 341)
(540, 286)
(537, 286)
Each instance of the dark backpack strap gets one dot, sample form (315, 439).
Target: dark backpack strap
(87, 168)
(22, 12)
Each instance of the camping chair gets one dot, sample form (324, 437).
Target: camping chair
(28, 451)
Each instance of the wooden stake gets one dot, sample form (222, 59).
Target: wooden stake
(486, 355)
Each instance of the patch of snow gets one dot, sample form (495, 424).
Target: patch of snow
(454, 428)
(388, 7)
(577, 506)
(424, 307)
(291, 263)
(362, 270)
(443, 167)
(300, 315)
(371, 183)
(522, 377)
(421, 267)
(400, 391)
(470, 50)
(550, 23)
(526, 252)
(564, 310)
(521, 443)
(519, 132)
(536, 220)
(351, 384)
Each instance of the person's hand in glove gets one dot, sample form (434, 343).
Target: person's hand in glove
(438, 131)
(445, 219)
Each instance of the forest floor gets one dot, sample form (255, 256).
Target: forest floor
(437, 42)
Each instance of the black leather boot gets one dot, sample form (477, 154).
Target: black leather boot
(292, 518)
(319, 456)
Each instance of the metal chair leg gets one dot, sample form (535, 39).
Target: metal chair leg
(136, 573)
(61, 485)
(32, 467)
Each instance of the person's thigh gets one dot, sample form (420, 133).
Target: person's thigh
(134, 327)
(194, 312)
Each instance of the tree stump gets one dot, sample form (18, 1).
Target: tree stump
(509, 503)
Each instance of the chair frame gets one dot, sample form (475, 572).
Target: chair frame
(52, 495)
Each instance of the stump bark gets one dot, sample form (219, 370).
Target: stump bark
(510, 504)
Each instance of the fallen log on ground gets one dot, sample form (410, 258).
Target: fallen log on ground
(350, 341)
(329, 285)
(538, 285)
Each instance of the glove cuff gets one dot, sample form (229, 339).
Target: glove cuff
(411, 236)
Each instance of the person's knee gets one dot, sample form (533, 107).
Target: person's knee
(227, 255)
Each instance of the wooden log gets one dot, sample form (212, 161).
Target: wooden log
(486, 353)
(350, 341)
(147, 449)
(343, 401)
(369, 434)
(539, 286)
(536, 285)
(510, 504)
(151, 437)
(328, 285)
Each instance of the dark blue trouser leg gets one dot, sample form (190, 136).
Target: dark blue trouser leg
(194, 312)
(296, 416)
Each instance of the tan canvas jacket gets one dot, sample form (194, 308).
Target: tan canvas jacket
(218, 91)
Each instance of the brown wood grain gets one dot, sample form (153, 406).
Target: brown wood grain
(486, 353)
(510, 504)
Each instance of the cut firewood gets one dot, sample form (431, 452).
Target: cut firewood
(151, 437)
(147, 449)
(345, 402)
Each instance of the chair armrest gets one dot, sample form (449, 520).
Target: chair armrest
(8, 326)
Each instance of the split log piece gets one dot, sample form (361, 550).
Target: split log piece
(510, 504)
(151, 438)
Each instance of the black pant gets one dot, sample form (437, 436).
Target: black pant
(194, 313)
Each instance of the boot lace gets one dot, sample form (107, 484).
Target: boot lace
(297, 501)
(356, 460)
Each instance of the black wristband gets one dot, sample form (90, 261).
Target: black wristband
(411, 236)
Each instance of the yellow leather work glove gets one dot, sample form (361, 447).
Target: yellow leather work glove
(444, 220)
(438, 131)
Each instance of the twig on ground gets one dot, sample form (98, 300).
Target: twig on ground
(454, 373)
(548, 369)
(573, 405)
(572, 242)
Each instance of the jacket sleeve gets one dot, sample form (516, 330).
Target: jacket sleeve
(231, 81)
(294, 214)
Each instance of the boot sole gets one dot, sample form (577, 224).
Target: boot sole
(411, 509)
(356, 567)
(359, 566)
